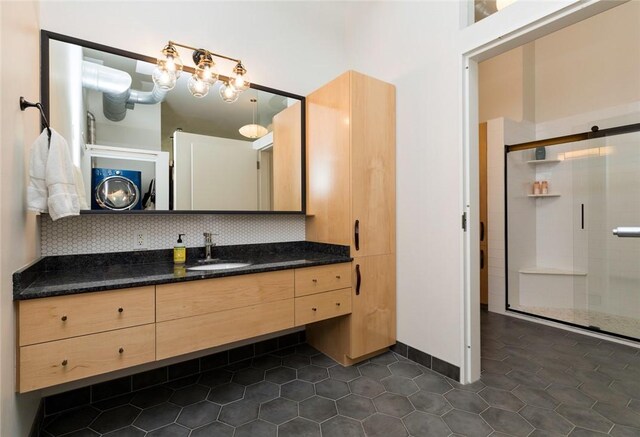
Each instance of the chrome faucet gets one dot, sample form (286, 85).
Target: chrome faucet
(208, 244)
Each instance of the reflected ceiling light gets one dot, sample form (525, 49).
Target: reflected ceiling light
(169, 66)
(228, 93)
(501, 4)
(253, 130)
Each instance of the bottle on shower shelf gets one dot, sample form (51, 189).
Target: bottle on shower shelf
(536, 188)
(544, 187)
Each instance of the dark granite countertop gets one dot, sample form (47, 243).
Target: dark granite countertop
(72, 274)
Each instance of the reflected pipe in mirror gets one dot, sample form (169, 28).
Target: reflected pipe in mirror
(189, 153)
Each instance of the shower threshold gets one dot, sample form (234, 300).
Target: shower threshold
(621, 325)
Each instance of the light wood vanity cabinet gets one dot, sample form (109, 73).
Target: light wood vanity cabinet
(322, 278)
(322, 306)
(56, 362)
(66, 338)
(59, 317)
(185, 299)
(351, 201)
(202, 314)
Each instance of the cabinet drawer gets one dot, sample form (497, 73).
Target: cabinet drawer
(189, 334)
(322, 278)
(55, 318)
(57, 362)
(188, 299)
(322, 306)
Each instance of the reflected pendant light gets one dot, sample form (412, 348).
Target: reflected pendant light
(253, 130)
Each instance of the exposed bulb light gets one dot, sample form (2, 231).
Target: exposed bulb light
(239, 78)
(253, 130)
(198, 87)
(228, 93)
(206, 74)
(168, 68)
(501, 4)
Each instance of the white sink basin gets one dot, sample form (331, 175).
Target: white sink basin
(221, 266)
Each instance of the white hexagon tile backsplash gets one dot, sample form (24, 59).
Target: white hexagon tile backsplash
(109, 233)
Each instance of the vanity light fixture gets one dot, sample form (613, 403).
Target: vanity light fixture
(253, 130)
(169, 67)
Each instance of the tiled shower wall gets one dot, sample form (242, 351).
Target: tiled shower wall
(109, 233)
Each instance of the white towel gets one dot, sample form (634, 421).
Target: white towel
(52, 185)
(37, 193)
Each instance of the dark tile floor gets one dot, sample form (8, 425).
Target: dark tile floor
(537, 381)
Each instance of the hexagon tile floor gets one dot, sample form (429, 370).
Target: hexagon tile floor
(537, 381)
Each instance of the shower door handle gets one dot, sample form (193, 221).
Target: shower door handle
(627, 232)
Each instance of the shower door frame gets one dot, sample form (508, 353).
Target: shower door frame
(595, 133)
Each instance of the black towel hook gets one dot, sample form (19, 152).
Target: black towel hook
(24, 104)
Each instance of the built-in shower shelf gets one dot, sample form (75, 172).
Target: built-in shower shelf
(544, 195)
(551, 271)
(543, 161)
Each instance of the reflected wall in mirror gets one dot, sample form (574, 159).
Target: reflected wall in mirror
(143, 149)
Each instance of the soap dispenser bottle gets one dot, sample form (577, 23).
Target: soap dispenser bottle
(179, 251)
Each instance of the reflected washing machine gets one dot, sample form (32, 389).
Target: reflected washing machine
(116, 190)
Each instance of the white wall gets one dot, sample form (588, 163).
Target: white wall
(18, 230)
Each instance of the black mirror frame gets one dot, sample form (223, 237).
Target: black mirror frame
(46, 36)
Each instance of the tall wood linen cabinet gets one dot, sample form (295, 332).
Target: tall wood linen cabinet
(351, 200)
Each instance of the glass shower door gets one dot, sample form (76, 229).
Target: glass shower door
(612, 201)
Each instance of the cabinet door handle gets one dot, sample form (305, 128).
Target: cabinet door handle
(314, 309)
(356, 234)
(337, 276)
(121, 350)
(63, 318)
(338, 303)
(481, 231)
(314, 280)
(120, 309)
(481, 259)
(358, 279)
(65, 362)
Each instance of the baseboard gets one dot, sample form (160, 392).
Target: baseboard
(430, 362)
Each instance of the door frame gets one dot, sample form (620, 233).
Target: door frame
(571, 14)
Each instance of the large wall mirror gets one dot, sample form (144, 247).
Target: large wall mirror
(141, 149)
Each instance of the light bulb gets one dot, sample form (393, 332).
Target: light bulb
(171, 61)
(239, 78)
(209, 74)
(174, 64)
(163, 78)
(198, 88)
(228, 93)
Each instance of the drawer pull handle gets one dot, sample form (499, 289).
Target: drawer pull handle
(65, 362)
(314, 280)
(337, 276)
(314, 309)
(338, 303)
(120, 310)
(63, 318)
(121, 350)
